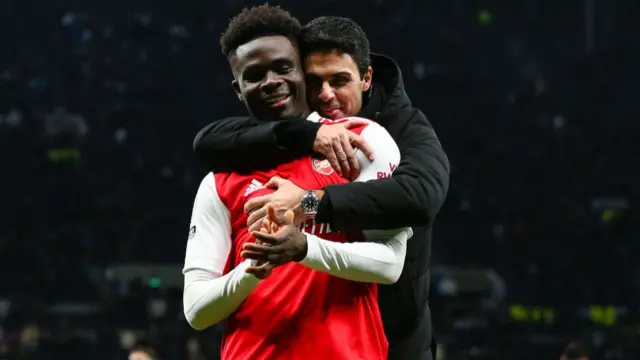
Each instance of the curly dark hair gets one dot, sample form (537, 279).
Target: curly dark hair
(258, 21)
(333, 33)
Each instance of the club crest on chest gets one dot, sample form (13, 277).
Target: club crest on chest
(322, 166)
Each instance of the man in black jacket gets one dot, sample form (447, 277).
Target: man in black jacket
(411, 197)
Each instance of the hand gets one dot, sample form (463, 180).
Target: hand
(286, 244)
(263, 269)
(287, 196)
(336, 143)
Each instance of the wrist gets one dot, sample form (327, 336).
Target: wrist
(325, 211)
(319, 194)
(316, 146)
(309, 203)
(302, 247)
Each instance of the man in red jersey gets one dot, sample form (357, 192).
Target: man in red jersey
(323, 303)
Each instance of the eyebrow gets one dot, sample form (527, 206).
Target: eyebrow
(279, 60)
(340, 73)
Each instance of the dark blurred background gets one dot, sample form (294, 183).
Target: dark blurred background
(533, 101)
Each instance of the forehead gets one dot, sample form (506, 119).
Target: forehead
(329, 63)
(263, 50)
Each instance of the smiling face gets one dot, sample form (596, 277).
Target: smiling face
(334, 84)
(269, 78)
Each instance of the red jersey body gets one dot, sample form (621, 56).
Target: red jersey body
(317, 315)
(297, 313)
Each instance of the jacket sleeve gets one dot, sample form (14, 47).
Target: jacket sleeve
(411, 197)
(244, 143)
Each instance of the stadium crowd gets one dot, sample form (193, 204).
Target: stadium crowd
(99, 104)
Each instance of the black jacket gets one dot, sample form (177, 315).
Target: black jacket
(411, 197)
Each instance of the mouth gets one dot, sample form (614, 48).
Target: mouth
(277, 101)
(332, 112)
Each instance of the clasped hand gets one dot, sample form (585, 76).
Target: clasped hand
(338, 144)
(287, 196)
(278, 242)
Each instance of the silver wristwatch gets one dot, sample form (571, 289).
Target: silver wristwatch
(310, 203)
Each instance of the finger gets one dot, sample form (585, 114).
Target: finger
(351, 157)
(342, 159)
(256, 216)
(260, 248)
(266, 224)
(354, 123)
(270, 239)
(274, 183)
(254, 255)
(263, 274)
(359, 142)
(261, 271)
(274, 258)
(265, 227)
(256, 203)
(257, 226)
(330, 155)
(260, 252)
(272, 215)
(261, 267)
(253, 270)
(289, 215)
(283, 219)
(271, 212)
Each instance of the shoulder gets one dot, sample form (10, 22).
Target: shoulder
(357, 129)
(218, 190)
(373, 133)
(208, 191)
(376, 136)
(386, 153)
(208, 184)
(406, 121)
(371, 129)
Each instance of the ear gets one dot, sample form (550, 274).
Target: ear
(236, 89)
(366, 79)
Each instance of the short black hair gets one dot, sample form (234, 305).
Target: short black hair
(333, 33)
(258, 21)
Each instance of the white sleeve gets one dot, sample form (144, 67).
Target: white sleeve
(380, 258)
(209, 296)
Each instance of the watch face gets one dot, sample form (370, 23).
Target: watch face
(306, 204)
(309, 203)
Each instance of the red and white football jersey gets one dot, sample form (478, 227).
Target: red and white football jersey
(297, 312)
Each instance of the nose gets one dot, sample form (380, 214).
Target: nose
(272, 80)
(326, 92)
